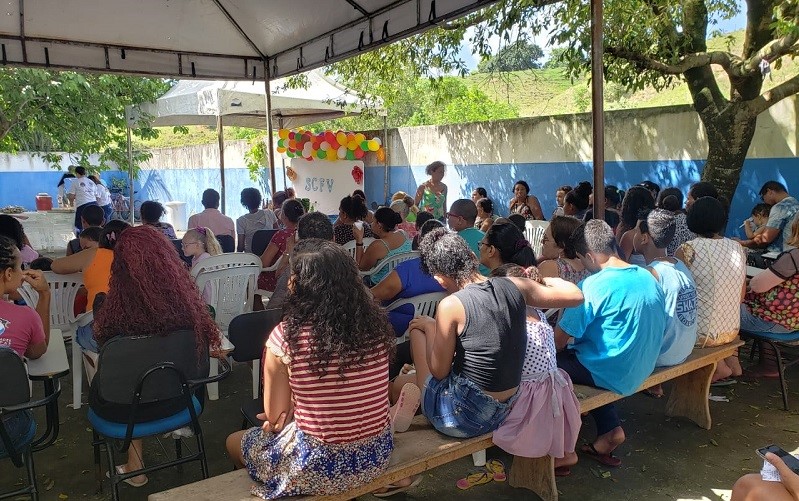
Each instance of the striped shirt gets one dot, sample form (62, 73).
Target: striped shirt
(335, 408)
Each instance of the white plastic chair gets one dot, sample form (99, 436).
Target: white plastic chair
(390, 263)
(534, 233)
(233, 279)
(350, 246)
(265, 294)
(423, 304)
(63, 291)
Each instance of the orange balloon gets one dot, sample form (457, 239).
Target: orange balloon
(381, 154)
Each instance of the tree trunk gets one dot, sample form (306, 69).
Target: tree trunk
(729, 135)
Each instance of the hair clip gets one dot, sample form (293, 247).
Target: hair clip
(522, 243)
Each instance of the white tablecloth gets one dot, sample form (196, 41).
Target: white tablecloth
(49, 231)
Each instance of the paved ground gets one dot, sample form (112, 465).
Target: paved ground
(664, 459)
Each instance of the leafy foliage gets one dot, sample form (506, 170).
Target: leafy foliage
(519, 55)
(80, 114)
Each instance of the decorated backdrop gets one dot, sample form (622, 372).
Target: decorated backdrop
(326, 166)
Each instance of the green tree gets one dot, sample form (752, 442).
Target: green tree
(518, 56)
(450, 101)
(80, 114)
(556, 58)
(647, 43)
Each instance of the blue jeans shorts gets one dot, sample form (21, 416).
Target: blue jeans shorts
(20, 427)
(85, 338)
(458, 408)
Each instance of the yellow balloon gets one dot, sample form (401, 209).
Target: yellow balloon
(341, 138)
(373, 146)
(280, 149)
(359, 138)
(283, 133)
(352, 145)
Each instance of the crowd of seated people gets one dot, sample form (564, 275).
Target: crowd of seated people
(639, 289)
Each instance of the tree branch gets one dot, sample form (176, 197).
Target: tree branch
(774, 96)
(732, 64)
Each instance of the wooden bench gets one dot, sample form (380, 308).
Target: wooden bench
(422, 448)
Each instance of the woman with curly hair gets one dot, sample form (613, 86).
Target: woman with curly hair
(326, 411)
(151, 294)
(469, 358)
(638, 200)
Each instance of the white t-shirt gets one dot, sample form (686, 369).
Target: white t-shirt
(103, 195)
(84, 190)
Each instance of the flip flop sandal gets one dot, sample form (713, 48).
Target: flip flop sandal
(403, 411)
(470, 481)
(497, 469)
(563, 471)
(129, 481)
(723, 382)
(652, 394)
(607, 459)
(396, 489)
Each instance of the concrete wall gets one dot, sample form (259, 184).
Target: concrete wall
(666, 145)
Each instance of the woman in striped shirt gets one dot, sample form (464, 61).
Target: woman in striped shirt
(326, 411)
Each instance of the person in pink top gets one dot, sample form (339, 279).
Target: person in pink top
(22, 329)
(219, 223)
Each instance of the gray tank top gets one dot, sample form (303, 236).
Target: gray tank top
(490, 350)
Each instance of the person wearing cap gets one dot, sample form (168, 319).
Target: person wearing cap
(219, 223)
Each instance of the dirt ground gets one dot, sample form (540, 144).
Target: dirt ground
(664, 459)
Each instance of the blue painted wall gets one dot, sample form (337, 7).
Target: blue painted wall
(20, 188)
(545, 178)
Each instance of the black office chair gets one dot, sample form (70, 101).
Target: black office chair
(178, 243)
(227, 243)
(248, 332)
(162, 373)
(14, 399)
(260, 241)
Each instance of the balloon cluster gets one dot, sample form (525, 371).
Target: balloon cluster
(327, 145)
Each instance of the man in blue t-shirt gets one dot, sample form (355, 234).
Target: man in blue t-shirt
(617, 331)
(778, 228)
(461, 217)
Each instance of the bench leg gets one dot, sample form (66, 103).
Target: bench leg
(689, 396)
(535, 474)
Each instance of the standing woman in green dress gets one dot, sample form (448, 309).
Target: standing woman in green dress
(431, 196)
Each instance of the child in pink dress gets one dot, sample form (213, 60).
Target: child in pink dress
(545, 419)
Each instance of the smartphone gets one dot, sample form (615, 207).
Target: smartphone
(788, 458)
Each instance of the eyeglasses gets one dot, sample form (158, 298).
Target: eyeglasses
(186, 244)
(481, 243)
(452, 214)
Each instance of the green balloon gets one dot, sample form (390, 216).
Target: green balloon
(321, 154)
(365, 146)
(281, 143)
(350, 155)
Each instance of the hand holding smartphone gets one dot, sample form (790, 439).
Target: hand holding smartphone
(769, 471)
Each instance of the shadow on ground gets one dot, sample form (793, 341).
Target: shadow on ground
(664, 459)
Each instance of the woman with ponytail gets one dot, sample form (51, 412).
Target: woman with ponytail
(504, 243)
(389, 242)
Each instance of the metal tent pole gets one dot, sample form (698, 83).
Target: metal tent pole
(220, 135)
(269, 139)
(385, 158)
(282, 159)
(131, 208)
(598, 108)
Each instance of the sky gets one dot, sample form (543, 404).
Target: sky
(736, 23)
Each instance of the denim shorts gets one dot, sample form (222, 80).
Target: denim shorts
(20, 427)
(458, 408)
(85, 338)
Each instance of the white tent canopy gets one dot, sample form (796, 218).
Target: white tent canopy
(243, 104)
(210, 39)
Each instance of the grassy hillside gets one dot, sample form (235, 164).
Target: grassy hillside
(549, 92)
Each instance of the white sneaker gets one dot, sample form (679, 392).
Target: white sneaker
(185, 432)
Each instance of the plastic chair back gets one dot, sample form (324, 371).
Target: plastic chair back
(248, 332)
(534, 233)
(63, 291)
(124, 360)
(233, 279)
(227, 243)
(423, 304)
(391, 262)
(350, 246)
(260, 241)
(16, 389)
